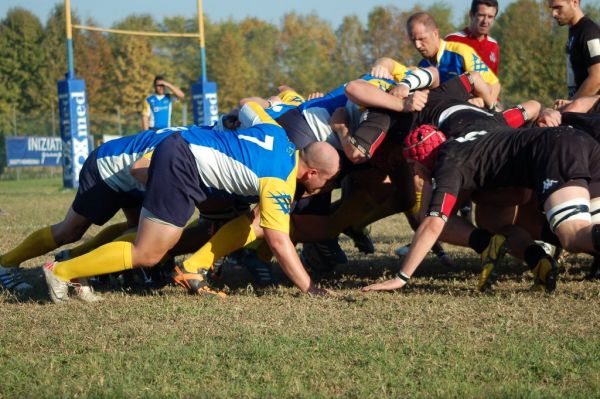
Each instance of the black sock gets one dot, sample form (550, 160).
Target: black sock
(479, 240)
(533, 254)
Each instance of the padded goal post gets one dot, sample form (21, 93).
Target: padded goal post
(72, 99)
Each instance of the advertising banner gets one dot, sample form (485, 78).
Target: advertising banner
(205, 104)
(33, 151)
(73, 111)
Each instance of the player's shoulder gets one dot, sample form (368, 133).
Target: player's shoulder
(456, 35)
(589, 27)
(459, 47)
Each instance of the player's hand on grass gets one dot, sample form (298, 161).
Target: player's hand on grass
(388, 285)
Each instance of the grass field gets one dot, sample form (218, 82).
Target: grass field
(437, 338)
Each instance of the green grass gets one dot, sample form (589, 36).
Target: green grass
(437, 338)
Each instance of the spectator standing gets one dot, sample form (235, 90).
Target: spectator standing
(483, 15)
(582, 50)
(157, 106)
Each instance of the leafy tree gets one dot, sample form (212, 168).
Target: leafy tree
(261, 40)
(350, 58)
(386, 33)
(21, 34)
(230, 68)
(442, 13)
(132, 77)
(533, 62)
(307, 47)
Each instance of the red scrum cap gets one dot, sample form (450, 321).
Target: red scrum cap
(421, 144)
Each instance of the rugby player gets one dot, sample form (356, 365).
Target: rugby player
(106, 186)
(194, 164)
(559, 164)
(451, 58)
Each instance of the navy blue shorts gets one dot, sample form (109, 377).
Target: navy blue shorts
(95, 200)
(174, 187)
(298, 130)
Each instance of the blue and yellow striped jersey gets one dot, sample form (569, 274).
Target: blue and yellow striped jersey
(455, 58)
(115, 158)
(258, 163)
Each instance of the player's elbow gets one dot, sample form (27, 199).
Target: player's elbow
(353, 89)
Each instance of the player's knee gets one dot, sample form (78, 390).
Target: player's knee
(146, 258)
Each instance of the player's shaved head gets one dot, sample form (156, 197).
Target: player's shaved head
(322, 157)
(421, 18)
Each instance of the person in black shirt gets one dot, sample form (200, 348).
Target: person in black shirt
(582, 50)
(561, 165)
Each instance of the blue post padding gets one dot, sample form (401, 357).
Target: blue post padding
(70, 68)
(74, 128)
(205, 103)
(203, 64)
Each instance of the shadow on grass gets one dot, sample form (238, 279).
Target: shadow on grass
(432, 276)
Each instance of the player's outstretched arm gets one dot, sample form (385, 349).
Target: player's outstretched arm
(581, 104)
(282, 247)
(426, 235)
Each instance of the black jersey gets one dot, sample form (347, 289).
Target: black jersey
(542, 159)
(447, 108)
(582, 51)
(588, 122)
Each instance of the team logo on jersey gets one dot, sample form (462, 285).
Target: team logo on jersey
(281, 200)
(478, 64)
(548, 183)
(492, 57)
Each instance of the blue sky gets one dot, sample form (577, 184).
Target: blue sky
(106, 12)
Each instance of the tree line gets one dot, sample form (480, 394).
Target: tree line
(247, 57)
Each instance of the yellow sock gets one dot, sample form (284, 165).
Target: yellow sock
(36, 244)
(109, 258)
(235, 234)
(106, 235)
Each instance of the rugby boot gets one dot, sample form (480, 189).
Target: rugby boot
(11, 278)
(545, 274)
(490, 258)
(57, 288)
(362, 240)
(195, 283)
(85, 292)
